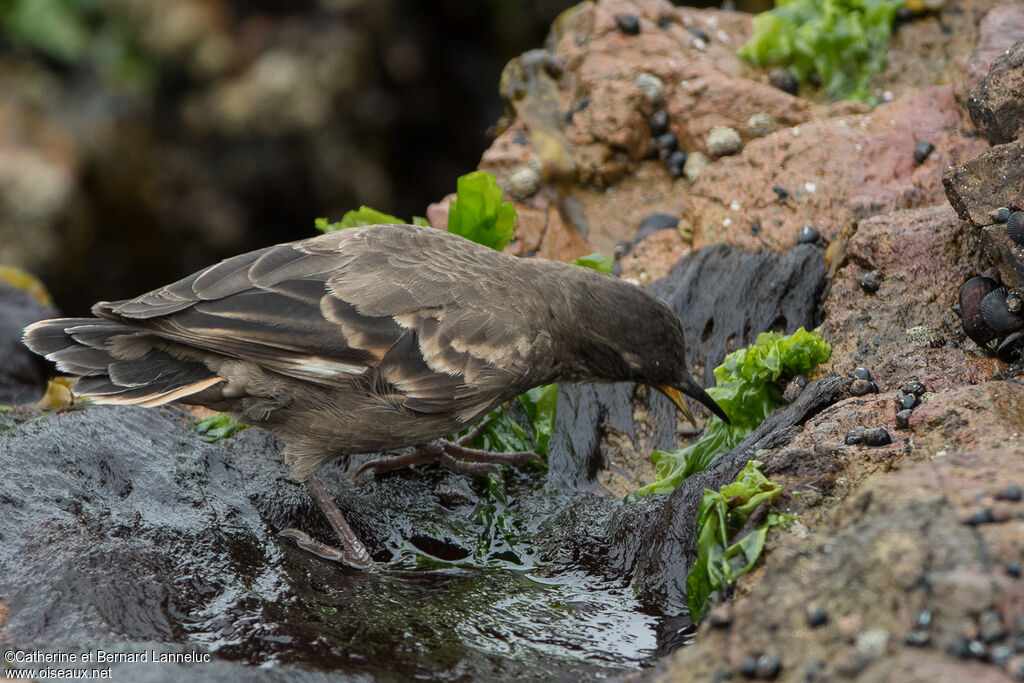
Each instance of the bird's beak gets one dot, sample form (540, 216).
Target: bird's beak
(676, 397)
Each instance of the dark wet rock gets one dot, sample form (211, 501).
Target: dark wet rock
(991, 179)
(908, 402)
(903, 419)
(922, 150)
(170, 543)
(996, 106)
(22, 373)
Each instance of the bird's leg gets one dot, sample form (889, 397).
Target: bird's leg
(354, 554)
(452, 455)
(426, 454)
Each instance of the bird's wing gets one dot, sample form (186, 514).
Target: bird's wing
(410, 309)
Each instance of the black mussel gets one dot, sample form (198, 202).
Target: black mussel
(972, 293)
(1012, 348)
(998, 315)
(1015, 227)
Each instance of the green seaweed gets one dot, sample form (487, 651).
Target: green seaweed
(843, 42)
(722, 514)
(602, 264)
(503, 434)
(748, 388)
(478, 212)
(216, 427)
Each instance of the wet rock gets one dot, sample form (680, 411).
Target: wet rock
(908, 402)
(1000, 28)
(170, 543)
(901, 524)
(802, 158)
(996, 106)
(903, 419)
(922, 252)
(991, 179)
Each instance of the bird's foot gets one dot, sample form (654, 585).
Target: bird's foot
(452, 455)
(354, 554)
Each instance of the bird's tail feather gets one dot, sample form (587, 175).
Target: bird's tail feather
(116, 364)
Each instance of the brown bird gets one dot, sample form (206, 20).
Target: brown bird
(367, 340)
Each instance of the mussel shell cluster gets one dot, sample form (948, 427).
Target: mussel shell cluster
(992, 313)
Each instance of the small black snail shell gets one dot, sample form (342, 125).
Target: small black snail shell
(972, 293)
(1015, 227)
(998, 315)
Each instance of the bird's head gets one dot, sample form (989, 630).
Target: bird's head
(618, 332)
